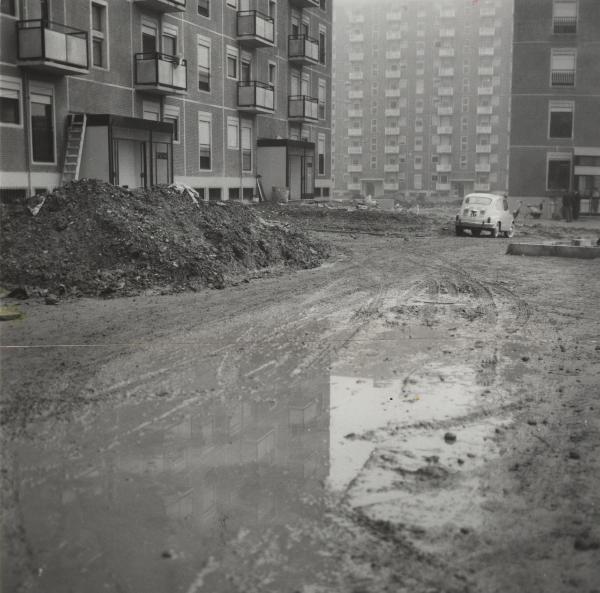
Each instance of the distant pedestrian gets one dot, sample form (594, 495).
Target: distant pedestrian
(576, 204)
(567, 206)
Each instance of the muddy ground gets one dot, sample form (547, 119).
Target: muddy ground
(419, 414)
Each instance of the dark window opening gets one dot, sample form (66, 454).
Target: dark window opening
(12, 196)
(559, 174)
(325, 192)
(9, 110)
(175, 121)
(214, 194)
(234, 193)
(204, 8)
(246, 159)
(204, 156)
(561, 124)
(8, 7)
(200, 191)
(322, 48)
(321, 164)
(323, 4)
(42, 132)
(203, 78)
(248, 193)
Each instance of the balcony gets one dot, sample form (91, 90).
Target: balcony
(391, 149)
(303, 49)
(160, 73)
(162, 5)
(485, 90)
(484, 110)
(393, 73)
(487, 31)
(356, 56)
(356, 37)
(487, 11)
(444, 149)
(443, 186)
(255, 29)
(481, 187)
(353, 186)
(357, 18)
(355, 112)
(393, 16)
(305, 3)
(392, 35)
(564, 25)
(303, 108)
(563, 78)
(255, 97)
(354, 168)
(355, 132)
(392, 131)
(445, 110)
(446, 72)
(392, 92)
(445, 91)
(482, 167)
(486, 51)
(391, 168)
(392, 112)
(393, 54)
(355, 94)
(52, 47)
(483, 129)
(355, 149)
(483, 148)
(391, 186)
(444, 129)
(354, 75)
(485, 70)
(444, 168)
(446, 52)
(447, 33)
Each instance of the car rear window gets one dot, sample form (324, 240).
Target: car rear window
(479, 200)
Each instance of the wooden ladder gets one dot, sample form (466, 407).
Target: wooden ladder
(74, 147)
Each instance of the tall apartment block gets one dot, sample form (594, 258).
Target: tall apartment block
(555, 139)
(422, 95)
(211, 93)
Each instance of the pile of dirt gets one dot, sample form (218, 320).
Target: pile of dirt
(93, 238)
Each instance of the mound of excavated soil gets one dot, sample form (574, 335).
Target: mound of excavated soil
(92, 238)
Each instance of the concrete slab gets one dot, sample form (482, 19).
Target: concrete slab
(577, 249)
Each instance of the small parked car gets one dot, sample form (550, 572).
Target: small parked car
(485, 212)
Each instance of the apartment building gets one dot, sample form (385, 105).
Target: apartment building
(211, 93)
(422, 95)
(555, 138)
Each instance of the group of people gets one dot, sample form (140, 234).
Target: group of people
(571, 203)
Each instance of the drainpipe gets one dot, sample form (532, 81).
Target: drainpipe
(241, 159)
(26, 130)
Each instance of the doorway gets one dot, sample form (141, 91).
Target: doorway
(130, 163)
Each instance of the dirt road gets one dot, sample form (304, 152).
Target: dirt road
(420, 414)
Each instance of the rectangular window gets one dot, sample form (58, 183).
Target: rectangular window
(561, 119)
(171, 115)
(564, 17)
(99, 35)
(10, 101)
(233, 133)
(563, 67)
(204, 141)
(321, 154)
(322, 46)
(42, 128)
(272, 74)
(559, 173)
(204, 8)
(8, 7)
(246, 147)
(322, 98)
(232, 63)
(203, 66)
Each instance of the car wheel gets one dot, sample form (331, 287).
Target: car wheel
(510, 233)
(458, 230)
(496, 231)
(476, 232)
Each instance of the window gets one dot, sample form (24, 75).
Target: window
(203, 65)
(560, 119)
(323, 4)
(563, 67)
(321, 154)
(246, 146)
(322, 46)
(233, 133)
(418, 181)
(151, 110)
(204, 141)
(171, 115)
(42, 128)
(99, 35)
(10, 101)
(322, 98)
(8, 7)
(204, 8)
(272, 74)
(564, 18)
(232, 63)
(559, 171)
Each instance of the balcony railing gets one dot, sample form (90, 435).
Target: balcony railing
(52, 47)
(485, 90)
(255, 29)
(392, 92)
(443, 186)
(355, 112)
(446, 52)
(392, 131)
(301, 107)
(443, 168)
(255, 97)
(391, 168)
(481, 187)
(564, 25)
(356, 56)
(443, 110)
(163, 5)
(355, 149)
(484, 110)
(483, 148)
(486, 51)
(444, 130)
(160, 73)
(391, 149)
(483, 167)
(563, 77)
(303, 49)
(354, 168)
(305, 3)
(355, 94)
(354, 75)
(395, 54)
(355, 131)
(390, 186)
(444, 148)
(392, 112)
(483, 129)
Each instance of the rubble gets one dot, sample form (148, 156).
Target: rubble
(92, 238)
